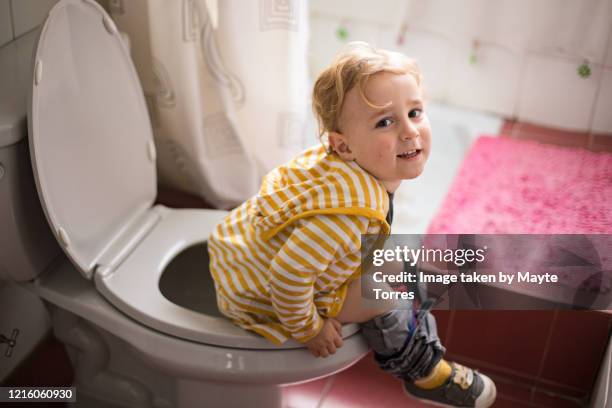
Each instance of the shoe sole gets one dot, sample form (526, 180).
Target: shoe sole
(429, 402)
(488, 400)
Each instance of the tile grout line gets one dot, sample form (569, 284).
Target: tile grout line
(325, 390)
(593, 111)
(10, 4)
(502, 371)
(545, 353)
(449, 327)
(501, 377)
(513, 131)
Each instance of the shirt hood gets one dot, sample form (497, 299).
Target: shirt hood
(317, 182)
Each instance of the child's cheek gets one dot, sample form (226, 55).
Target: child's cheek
(386, 148)
(425, 128)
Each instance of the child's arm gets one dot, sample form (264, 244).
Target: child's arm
(314, 244)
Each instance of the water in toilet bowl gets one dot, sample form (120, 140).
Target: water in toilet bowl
(187, 282)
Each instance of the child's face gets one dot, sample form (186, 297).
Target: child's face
(391, 143)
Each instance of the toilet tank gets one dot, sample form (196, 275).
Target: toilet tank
(26, 244)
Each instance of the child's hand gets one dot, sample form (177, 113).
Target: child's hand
(327, 341)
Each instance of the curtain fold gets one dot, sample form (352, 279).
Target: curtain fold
(226, 85)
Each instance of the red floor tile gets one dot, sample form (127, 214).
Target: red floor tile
(501, 402)
(442, 321)
(548, 135)
(306, 395)
(364, 385)
(511, 339)
(542, 399)
(507, 127)
(520, 130)
(601, 143)
(511, 387)
(561, 389)
(512, 390)
(577, 346)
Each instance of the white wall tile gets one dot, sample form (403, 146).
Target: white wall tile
(453, 18)
(433, 53)
(506, 22)
(16, 69)
(552, 93)
(28, 14)
(12, 102)
(490, 84)
(6, 24)
(325, 43)
(25, 66)
(573, 28)
(388, 39)
(602, 121)
(528, 55)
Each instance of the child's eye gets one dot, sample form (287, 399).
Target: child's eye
(384, 123)
(415, 113)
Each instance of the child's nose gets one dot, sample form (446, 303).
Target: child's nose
(408, 130)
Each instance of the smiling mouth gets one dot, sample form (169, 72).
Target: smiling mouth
(410, 154)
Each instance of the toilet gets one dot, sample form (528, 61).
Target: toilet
(125, 281)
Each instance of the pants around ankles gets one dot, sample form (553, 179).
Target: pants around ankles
(405, 342)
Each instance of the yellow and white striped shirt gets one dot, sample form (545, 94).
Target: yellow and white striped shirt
(282, 260)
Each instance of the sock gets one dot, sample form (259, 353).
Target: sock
(436, 378)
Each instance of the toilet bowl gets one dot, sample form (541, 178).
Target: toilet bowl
(129, 292)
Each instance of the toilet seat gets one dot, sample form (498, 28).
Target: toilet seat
(93, 160)
(134, 286)
(91, 142)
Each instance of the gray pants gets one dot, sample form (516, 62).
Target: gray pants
(405, 342)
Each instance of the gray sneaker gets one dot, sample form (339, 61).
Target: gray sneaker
(464, 388)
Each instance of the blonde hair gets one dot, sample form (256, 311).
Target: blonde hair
(353, 66)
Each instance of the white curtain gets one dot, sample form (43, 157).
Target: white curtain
(227, 88)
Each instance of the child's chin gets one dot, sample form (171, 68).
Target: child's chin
(413, 173)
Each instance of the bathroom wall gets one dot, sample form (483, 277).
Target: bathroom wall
(518, 59)
(19, 309)
(18, 17)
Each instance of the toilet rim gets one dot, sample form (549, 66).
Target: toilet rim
(177, 230)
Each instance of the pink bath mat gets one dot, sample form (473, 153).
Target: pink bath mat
(522, 187)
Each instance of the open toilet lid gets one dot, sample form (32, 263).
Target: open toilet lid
(90, 138)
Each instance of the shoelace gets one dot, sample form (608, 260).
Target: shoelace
(463, 376)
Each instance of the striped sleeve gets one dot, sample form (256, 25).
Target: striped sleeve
(314, 244)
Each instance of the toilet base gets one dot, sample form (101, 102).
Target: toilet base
(192, 394)
(110, 372)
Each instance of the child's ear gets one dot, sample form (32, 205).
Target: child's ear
(339, 144)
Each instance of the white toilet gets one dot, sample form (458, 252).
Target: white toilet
(130, 295)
